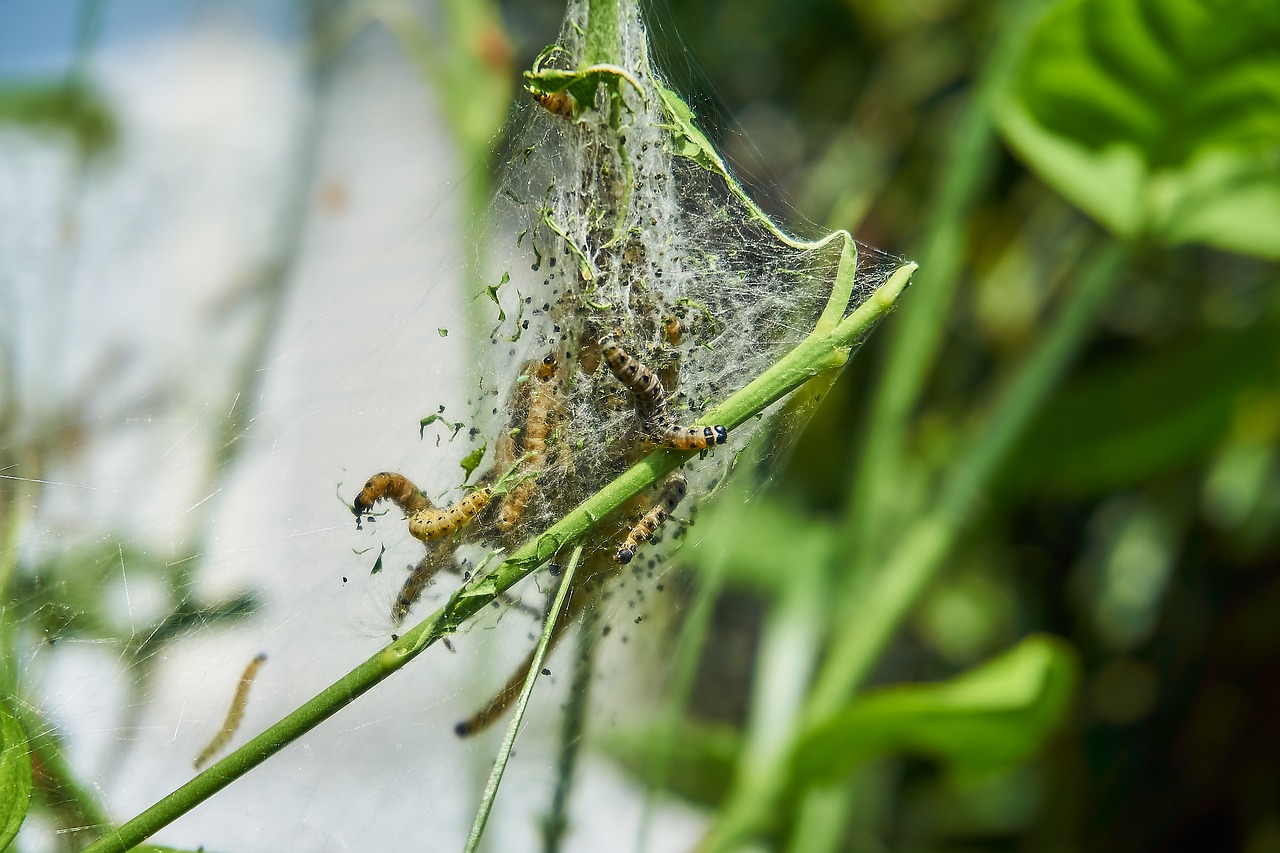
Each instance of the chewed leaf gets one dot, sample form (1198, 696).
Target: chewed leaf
(15, 776)
(1160, 119)
(985, 719)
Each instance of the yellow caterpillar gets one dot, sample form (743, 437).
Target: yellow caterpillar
(390, 487)
(426, 520)
(234, 714)
(429, 524)
(557, 103)
(536, 426)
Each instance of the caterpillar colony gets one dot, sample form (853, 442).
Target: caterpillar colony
(633, 285)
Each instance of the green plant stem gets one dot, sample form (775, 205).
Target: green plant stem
(871, 620)
(574, 725)
(522, 703)
(789, 645)
(603, 44)
(820, 820)
(817, 353)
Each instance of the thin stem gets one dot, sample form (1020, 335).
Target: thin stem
(522, 703)
(556, 823)
(789, 645)
(813, 356)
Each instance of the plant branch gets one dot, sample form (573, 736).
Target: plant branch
(813, 356)
(603, 43)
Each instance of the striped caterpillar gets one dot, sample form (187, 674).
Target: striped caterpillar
(651, 402)
(541, 400)
(672, 493)
(426, 520)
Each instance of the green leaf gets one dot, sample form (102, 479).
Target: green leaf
(1159, 118)
(763, 543)
(983, 720)
(15, 776)
(471, 461)
(377, 564)
(438, 417)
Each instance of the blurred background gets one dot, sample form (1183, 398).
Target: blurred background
(230, 237)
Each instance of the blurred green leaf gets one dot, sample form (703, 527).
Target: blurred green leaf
(1120, 425)
(764, 543)
(702, 764)
(189, 616)
(72, 109)
(15, 776)
(1159, 118)
(69, 596)
(983, 720)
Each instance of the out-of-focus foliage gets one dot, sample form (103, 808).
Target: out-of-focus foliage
(66, 594)
(1153, 414)
(15, 776)
(71, 109)
(468, 63)
(1158, 117)
(984, 720)
(1137, 515)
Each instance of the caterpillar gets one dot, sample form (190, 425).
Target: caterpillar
(672, 493)
(392, 487)
(651, 402)
(234, 714)
(431, 523)
(556, 103)
(536, 426)
(671, 330)
(419, 577)
(588, 355)
(426, 520)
